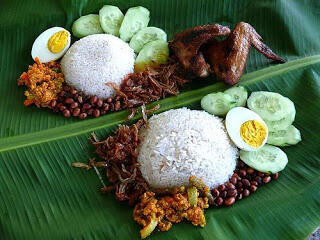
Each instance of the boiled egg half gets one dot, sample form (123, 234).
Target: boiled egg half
(51, 45)
(246, 129)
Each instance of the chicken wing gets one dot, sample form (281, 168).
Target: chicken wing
(228, 58)
(186, 45)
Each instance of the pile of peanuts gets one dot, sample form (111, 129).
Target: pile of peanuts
(73, 103)
(244, 181)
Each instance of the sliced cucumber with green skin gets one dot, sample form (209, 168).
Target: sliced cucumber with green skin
(268, 159)
(270, 106)
(282, 123)
(286, 137)
(86, 25)
(110, 19)
(135, 19)
(146, 35)
(217, 103)
(152, 54)
(239, 95)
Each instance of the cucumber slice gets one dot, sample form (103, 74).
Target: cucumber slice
(135, 19)
(146, 35)
(268, 159)
(217, 103)
(270, 106)
(286, 137)
(239, 95)
(110, 19)
(86, 25)
(152, 54)
(281, 124)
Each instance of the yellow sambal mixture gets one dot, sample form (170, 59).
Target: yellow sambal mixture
(154, 210)
(44, 82)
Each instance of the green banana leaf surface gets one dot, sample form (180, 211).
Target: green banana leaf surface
(43, 197)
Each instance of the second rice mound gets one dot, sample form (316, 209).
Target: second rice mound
(179, 143)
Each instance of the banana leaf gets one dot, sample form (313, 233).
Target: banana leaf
(43, 197)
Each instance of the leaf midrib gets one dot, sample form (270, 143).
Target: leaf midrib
(82, 127)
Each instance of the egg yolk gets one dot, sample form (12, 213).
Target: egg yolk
(58, 41)
(253, 133)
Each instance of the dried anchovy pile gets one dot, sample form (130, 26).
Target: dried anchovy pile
(136, 89)
(151, 85)
(120, 153)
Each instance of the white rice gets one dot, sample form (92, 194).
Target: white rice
(179, 143)
(94, 60)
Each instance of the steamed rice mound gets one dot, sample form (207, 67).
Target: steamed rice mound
(179, 143)
(94, 60)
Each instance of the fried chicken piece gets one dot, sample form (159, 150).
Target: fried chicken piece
(186, 44)
(228, 58)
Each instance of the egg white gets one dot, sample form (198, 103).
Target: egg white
(234, 119)
(40, 48)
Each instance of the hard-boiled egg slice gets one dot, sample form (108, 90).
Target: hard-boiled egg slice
(51, 44)
(246, 129)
